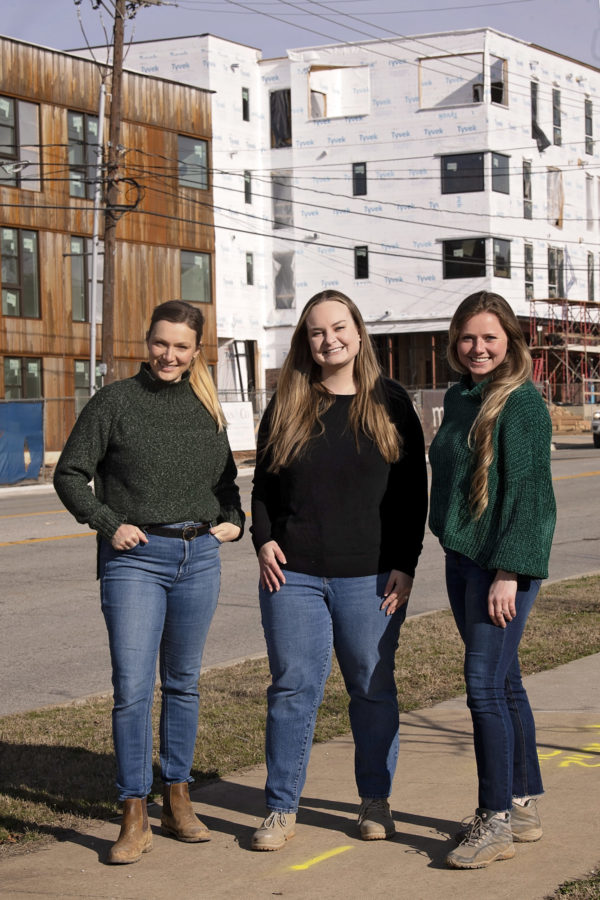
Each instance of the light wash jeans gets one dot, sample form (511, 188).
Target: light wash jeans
(158, 601)
(503, 724)
(303, 622)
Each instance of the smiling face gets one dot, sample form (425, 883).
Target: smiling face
(171, 349)
(482, 345)
(333, 337)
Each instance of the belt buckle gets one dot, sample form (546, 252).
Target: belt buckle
(189, 532)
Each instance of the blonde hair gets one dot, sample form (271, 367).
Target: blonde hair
(180, 312)
(301, 399)
(512, 372)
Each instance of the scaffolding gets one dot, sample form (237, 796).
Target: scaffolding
(565, 347)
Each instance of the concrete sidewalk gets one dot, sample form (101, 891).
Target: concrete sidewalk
(435, 788)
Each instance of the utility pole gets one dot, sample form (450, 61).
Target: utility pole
(122, 9)
(112, 195)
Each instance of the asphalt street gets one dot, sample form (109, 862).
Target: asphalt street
(53, 645)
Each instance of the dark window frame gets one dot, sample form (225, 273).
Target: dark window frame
(194, 176)
(359, 179)
(282, 200)
(474, 266)
(19, 286)
(527, 190)
(186, 255)
(556, 118)
(245, 104)
(501, 260)
(589, 126)
(361, 262)
(21, 177)
(89, 155)
(249, 268)
(465, 180)
(591, 275)
(534, 107)
(500, 173)
(23, 393)
(247, 186)
(280, 108)
(556, 272)
(82, 391)
(528, 271)
(82, 259)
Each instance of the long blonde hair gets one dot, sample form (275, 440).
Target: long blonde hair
(301, 399)
(180, 312)
(512, 372)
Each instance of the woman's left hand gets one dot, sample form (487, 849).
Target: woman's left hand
(226, 531)
(397, 591)
(501, 598)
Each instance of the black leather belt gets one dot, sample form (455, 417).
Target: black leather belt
(188, 533)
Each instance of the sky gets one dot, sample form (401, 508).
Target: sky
(570, 27)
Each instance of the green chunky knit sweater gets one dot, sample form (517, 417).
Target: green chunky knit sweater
(155, 455)
(515, 532)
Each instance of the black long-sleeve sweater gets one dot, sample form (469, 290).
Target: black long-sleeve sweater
(338, 511)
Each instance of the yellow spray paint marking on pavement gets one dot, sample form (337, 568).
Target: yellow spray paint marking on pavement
(58, 537)
(322, 857)
(48, 512)
(579, 475)
(578, 757)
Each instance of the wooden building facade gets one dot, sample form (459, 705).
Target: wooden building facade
(165, 234)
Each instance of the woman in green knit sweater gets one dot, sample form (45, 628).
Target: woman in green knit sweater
(164, 500)
(493, 510)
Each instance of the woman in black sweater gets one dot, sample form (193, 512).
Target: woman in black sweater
(338, 510)
(164, 500)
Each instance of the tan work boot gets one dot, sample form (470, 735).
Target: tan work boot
(276, 829)
(375, 819)
(178, 817)
(135, 836)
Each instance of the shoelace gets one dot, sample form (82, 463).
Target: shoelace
(475, 831)
(272, 817)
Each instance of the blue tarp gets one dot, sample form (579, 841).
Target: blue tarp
(21, 429)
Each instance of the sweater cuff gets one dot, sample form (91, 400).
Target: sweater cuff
(105, 522)
(235, 516)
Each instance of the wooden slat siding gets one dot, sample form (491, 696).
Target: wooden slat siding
(149, 239)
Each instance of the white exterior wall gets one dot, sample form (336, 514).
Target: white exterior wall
(399, 126)
(404, 216)
(225, 67)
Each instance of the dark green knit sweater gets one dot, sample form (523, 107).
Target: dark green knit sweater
(155, 455)
(515, 532)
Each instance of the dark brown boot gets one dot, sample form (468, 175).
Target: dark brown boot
(135, 837)
(178, 817)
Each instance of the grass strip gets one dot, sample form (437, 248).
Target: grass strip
(57, 765)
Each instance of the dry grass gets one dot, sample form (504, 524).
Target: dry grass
(57, 765)
(584, 889)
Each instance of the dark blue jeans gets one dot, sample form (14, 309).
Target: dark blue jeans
(503, 725)
(158, 601)
(303, 622)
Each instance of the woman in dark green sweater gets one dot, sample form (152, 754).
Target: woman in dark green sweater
(164, 500)
(493, 510)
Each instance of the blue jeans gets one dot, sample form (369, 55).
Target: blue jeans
(303, 621)
(503, 725)
(158, 601)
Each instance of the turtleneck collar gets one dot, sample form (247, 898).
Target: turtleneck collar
(149, 380)
(471, 389)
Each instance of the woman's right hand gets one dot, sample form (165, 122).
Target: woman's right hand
(269, 557)
(126, 537)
